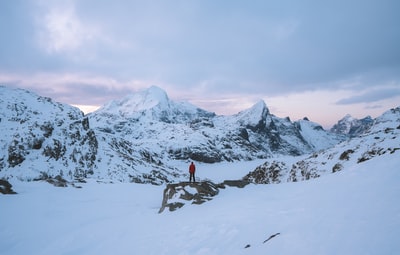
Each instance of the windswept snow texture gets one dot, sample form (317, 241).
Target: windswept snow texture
(355, 211)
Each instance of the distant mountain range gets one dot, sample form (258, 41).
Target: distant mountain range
(380, 140)
(141, 137)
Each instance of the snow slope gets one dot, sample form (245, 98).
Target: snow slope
(355, 211)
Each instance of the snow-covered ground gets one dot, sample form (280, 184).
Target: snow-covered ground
(355, 211)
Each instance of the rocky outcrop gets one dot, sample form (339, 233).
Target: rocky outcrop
(6, 187)
(267, 173)
(176, 195)
(42, 136)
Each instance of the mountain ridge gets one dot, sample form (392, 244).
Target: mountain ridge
(381, 139)
(140, 137)
(351, 126)
(209, 137)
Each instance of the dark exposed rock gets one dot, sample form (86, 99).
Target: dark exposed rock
(267, 173)
(303, 170)
(370, 154)
(235, 183)
(16, 153)
(85, 123)
(244, 134)
(204, 156)
(346, 154)
(37, 144)
(155, 177)
(47, 129)
(272, 236)
(177, 194)
(269, 238)
(337, 167)
(6, 187)
(58, 181)
(56, 150)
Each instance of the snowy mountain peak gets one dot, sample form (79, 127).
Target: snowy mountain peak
(153, 96)
(137, 102)
(152, 104)
(351, 126)
(260, 107)
(258, 112)
(348, 117)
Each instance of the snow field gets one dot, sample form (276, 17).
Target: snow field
(355, 211)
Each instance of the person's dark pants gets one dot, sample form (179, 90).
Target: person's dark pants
(192, 176)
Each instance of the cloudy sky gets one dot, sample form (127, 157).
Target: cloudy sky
(320, 59)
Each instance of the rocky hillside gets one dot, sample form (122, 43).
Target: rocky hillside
(41, 137)
(45, 140)
(382, 138)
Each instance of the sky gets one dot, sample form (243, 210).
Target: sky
(311, 58)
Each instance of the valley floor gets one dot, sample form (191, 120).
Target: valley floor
(356, 211)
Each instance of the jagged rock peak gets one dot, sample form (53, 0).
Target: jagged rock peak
(254, 114)
(351, 126)
(260, 106)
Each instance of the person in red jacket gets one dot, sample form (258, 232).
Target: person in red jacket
(192, 170)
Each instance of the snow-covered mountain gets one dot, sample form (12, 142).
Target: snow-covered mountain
(164, 129)
(352, 127)
(40, 137)
(382, 138)
(151, 105)
(140, 138)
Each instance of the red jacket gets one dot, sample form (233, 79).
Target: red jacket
(192, 168)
